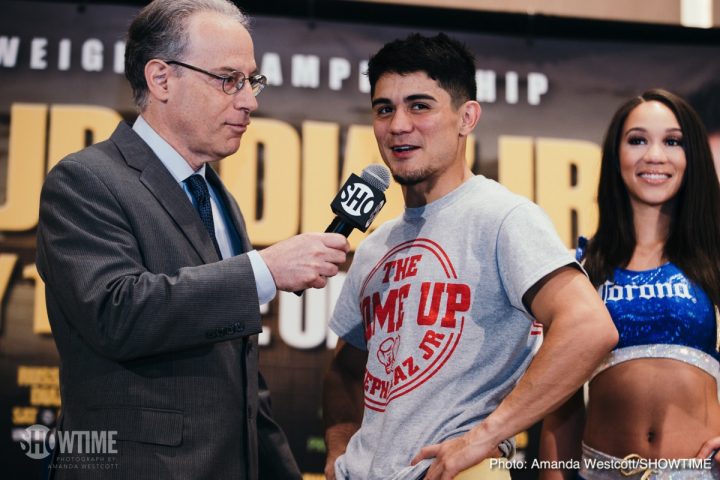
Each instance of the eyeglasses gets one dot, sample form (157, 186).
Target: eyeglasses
(232, 82)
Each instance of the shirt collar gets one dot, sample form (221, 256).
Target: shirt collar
(173, 161)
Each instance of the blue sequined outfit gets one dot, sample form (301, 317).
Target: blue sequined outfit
(660, 313)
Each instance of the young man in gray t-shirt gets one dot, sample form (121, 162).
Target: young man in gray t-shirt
(436, 314)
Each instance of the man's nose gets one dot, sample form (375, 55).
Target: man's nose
(245, 98)
(400, 121)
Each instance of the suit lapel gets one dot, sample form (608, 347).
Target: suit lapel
(165, 189)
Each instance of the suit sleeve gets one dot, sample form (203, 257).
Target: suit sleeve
(90, 260)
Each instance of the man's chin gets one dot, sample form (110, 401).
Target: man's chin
(409, 179)
(229, 148)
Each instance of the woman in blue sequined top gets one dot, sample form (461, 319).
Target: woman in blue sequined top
(655, 259)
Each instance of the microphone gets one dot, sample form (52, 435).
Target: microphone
(358, 202)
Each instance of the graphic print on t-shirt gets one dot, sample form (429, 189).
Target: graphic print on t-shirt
(413, 307)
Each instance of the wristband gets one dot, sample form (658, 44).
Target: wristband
(507, 448)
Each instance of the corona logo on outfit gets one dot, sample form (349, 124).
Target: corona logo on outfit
(413, 292)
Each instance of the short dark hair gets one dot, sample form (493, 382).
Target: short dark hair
(693, 243)
(159, 31)
(444, 59)
(706, 102)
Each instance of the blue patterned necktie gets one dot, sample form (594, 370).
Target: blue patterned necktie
(199, 191)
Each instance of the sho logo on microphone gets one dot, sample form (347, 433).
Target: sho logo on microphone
(357, 199)
(358, 202)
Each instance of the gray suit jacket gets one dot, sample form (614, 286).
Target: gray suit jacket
(156, 336)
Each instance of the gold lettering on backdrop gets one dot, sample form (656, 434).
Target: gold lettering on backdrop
(560, 175)
(44, 383)
(38, 376)
(516, 165)
(558, 195)
(24, 415)
(41, 324)
(26, 157)
(45, 396)
(70, 124)
(25, 171)
(319, 174)
(471, 150)
(280, 185)
(7, 265)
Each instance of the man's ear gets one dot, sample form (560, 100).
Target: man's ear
(156, 77)
(470, 112)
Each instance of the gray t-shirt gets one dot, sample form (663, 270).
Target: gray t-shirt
(435, 297)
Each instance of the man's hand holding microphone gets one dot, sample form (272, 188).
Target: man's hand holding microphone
(307, 260)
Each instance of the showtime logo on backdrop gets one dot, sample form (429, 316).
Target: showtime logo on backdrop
(413, 310)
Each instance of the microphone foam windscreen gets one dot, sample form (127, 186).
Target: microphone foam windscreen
(377, 176)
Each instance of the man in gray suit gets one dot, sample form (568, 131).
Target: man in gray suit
(153, 289)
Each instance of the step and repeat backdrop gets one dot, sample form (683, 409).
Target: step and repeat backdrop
(546, 102)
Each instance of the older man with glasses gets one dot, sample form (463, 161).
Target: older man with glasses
(153, 288)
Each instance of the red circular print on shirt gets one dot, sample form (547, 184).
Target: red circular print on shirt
(413, 310)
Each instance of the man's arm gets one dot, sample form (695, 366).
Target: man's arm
(561, 436)
(342, 401)
(91, 257)
(578, 334)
